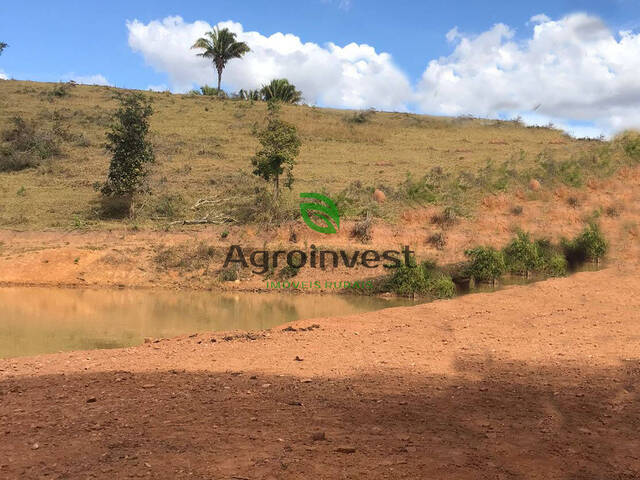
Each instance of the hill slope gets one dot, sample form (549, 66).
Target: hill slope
(204, 145)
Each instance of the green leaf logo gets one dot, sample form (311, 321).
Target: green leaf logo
(326, 213)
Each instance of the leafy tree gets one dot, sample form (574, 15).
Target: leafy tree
(130, 149)
(2, 47)
(220, 46)
(280, 145)
(280, 89)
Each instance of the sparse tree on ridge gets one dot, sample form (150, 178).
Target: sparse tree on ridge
(220, 46)
(280, 145)
(131, 150)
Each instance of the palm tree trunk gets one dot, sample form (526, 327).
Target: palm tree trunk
(219, 78)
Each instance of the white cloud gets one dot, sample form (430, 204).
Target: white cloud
(354, 76)
(3, 76)
(574, 70)
(97, 79)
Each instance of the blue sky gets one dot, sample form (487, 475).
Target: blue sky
(50, 41)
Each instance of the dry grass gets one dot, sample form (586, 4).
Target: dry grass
(203, 147)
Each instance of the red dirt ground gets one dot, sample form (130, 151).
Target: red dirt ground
(536, 382)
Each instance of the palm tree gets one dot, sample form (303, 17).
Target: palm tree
(2, 47)
(280, 89)
(220, 46)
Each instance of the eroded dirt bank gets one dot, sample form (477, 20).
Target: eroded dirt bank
(530, 382)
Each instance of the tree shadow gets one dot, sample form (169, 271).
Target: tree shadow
(489, 420)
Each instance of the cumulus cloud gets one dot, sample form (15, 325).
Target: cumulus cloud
(3, 76)
(572, 71)
(353, 76)
(97, 79)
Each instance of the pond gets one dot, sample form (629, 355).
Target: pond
(35, 320)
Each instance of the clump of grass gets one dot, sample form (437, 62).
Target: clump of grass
(288, 271)
(486, 264)
(362, 116)
(573, 202)
(588, 245)
(612, 211)
(631, 144)
(517, 210)
(362, 230)
(184, 257)
(169, 205)
(445, 219)
(437, 240)
(25, 145)
(60, 90)
(424, 279)
(229, 274)
(524, 256)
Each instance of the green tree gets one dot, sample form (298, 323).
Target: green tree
(280, 145)
(280, 89)
(220, 46)
(130, 149)
(2, 47)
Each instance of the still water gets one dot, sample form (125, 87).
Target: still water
(37, 320)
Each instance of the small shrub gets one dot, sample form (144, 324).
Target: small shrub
(288, 271)
(26, 145)
(552, 260)
(437, 240)
(21, 191)
(612, 211)
(224, 234)
(523, 256)
(447, 218)
(169, 206)
(573, 202)
(631, 144)
(486, 264)
(517, 210)
(423, 279)
(228, 274)
(362, 116)
(362, 230)
(184, 257)
(60, 90)
(588, 245)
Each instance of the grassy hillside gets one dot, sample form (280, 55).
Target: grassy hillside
(204, 145)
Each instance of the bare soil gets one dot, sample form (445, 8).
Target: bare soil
(536, 382)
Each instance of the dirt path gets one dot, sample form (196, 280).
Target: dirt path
(530, 382)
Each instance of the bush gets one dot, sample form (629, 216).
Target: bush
(184, 257)
(26, 145)
(362, 116)
(130, 149)
(362, 230)
(588, 245)
(631, 144)
(423, 279)
(523, 256)
(169, 206)
(447, 218)
(288, 271)
(552, 260)
(228, 275)
(437, 240)
(486, 264)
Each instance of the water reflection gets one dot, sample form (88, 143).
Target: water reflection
(44, 320)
